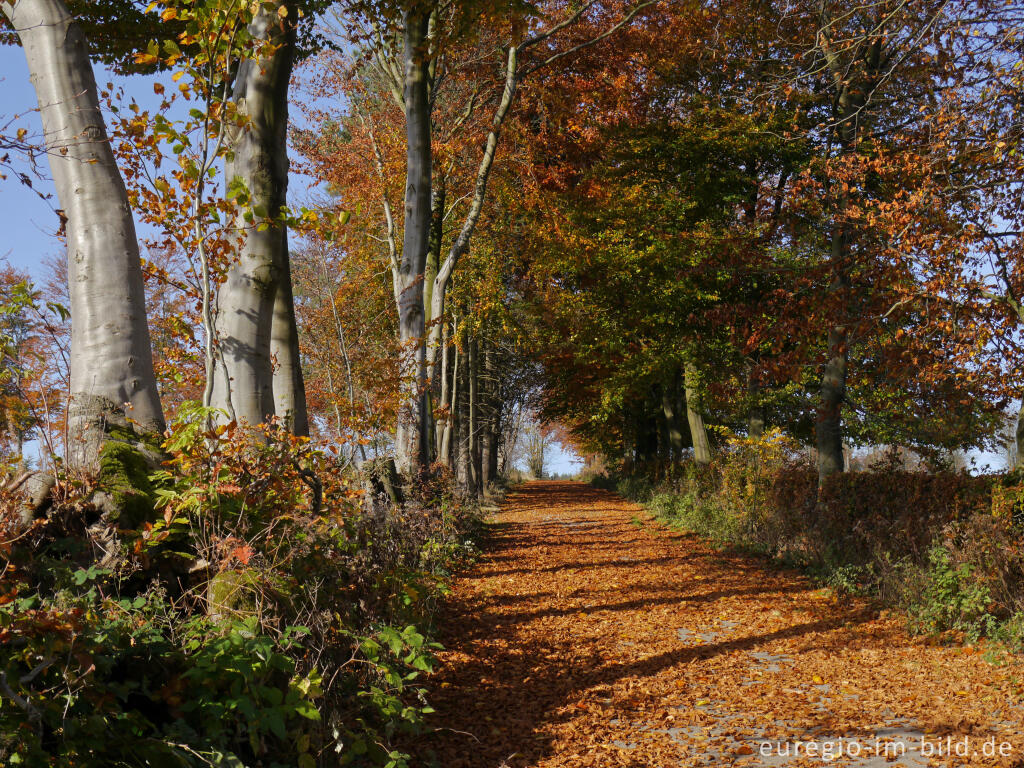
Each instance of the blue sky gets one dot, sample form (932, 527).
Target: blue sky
(27, 223)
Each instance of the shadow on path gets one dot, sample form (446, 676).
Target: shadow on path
(579, 630)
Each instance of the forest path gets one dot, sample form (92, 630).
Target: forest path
(590, 635)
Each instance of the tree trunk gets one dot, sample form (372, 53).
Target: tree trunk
(850, 105)
(460, 245)
(489, 418)
(444, 402)
(474, 414)
(698, 432)
(410, 435)
(832, 394)
(111, 362)
(464, 467)
(494, 416)
(675, 433)
(288, 384)
(629, 433)
(445, 450)
(1018, 460)
(755, 414)
(255, 316)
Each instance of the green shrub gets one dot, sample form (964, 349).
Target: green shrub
(951, 598)
(1011, 632)
(95, 680)
(634, 487)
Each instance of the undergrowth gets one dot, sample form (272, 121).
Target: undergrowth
(268, 611)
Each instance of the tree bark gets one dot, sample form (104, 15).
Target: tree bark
(255, 313)
(675, 433)
(464, 466)
(288, 385)
(832, 393)
(1018, 435)
(445, 449)
(111, 363)
(411, 451)
(755, 414)
(488, 417)
(444, 396)
(494, 408)
(698, 432)
(474, 414)
(852, 95)
(440, 282)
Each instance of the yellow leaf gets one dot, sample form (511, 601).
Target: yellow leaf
(170, 13)
(145, 58)
(282, 11)
(817, 679)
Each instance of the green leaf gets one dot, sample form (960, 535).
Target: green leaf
(307, 710)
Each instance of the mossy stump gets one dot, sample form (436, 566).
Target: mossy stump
(233, 595)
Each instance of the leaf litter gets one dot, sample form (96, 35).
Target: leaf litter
(583, 639)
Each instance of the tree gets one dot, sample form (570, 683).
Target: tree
(414, 60)
(537, 446)
(262, 373)
(111, 358)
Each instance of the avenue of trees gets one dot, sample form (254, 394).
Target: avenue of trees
(327, 270)
(645, 218)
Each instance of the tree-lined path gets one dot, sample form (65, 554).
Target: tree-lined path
(590, 635)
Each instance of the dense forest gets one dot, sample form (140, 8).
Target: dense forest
(332, 274)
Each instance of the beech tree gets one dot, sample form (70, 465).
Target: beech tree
(261, 375)
(111, 360)
(413, 56)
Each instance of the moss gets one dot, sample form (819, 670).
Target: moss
(233, 594)
(124, 479)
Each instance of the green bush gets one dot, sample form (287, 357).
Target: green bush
(951, 597)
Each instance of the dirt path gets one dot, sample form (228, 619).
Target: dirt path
(589, 635)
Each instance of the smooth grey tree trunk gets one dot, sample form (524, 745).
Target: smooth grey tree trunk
(852, 100)
(288, 385)
(411, 451)
(832, 393)
(464, 469)
(474, 413)
(445, 450)
(460, 245)
(111, 362)
(698, 431)
(445, 402)
(255, 313)
(489, 417)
